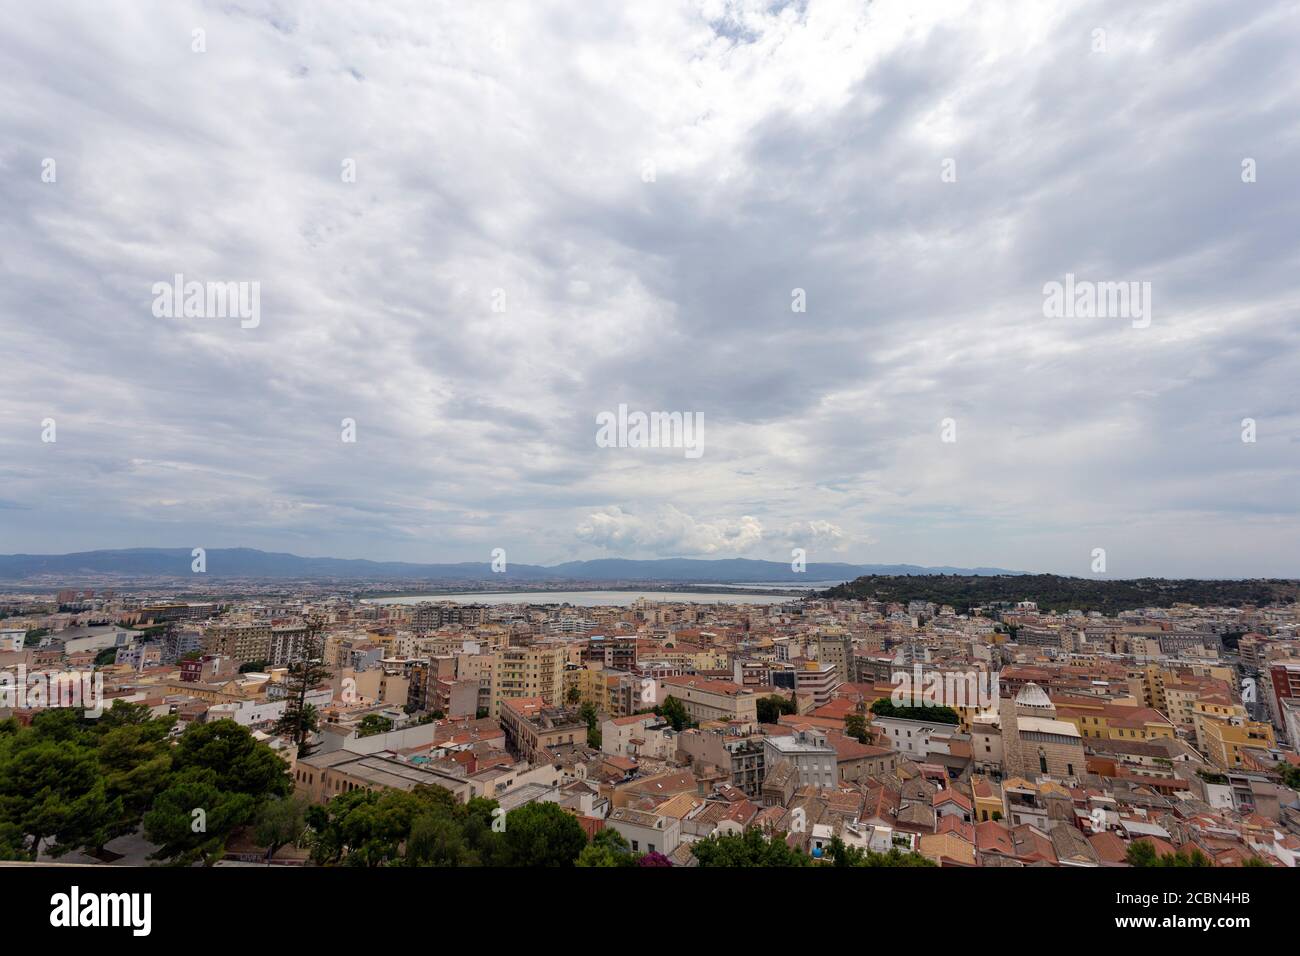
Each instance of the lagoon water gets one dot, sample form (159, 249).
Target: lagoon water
(588, 598)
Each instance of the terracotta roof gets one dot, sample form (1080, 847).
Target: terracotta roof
(1032, 844)
(953, 824)
(1109, 847)
(949, 795)
(634, 719)
(992, 837)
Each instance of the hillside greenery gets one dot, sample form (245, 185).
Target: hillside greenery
(1054, 592)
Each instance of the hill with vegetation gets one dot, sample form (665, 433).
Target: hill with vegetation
(1054, 592)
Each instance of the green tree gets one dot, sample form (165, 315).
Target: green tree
(1143, 853)
(372, 724)
(884, 707)
(193, 818)
(752, 848)
(771, 707)
(447, 833)
(477, 820)
(52, 790)
(1183, 859)
(608, 848)
(363, 828)
(220, 778)
(67, 781)
(1140, 853)
(135, 759)
(425, 827)
(304, 672)
(841, 854)
(436, 840)
(541, 834)
(855, 726)
(238, 762)
(588, 713)
(280, 822)
(674, 711)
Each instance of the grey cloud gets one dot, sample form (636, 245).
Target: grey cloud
(795, 145)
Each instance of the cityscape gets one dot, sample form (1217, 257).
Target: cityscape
(745, 730)
(481, 452)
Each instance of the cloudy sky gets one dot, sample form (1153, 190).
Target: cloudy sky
(557, 210)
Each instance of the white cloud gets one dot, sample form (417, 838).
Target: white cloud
(501, 147)
(669, 531)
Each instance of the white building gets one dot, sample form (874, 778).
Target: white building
(818, 679)
(812, 758)
(910, 737)
(646, 832)
(638, 736)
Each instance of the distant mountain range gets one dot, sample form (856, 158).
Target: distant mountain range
(229, 563)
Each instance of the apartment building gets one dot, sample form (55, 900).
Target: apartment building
(741, 756)
(638, 736)
(1224, 731)
(807, 751)
(835, 649)
(532, 727)
(707, 700)
(290, 642)
(818, 680)
(430, 617)
(525, 672)
(1094, 717)
(241, 642)
(1283, 685)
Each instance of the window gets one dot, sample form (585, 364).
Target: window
(634, 846)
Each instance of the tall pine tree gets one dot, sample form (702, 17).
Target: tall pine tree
(306, 669)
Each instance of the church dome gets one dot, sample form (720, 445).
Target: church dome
(1031, 695)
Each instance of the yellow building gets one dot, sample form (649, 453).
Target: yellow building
(1224, 730)
(1180, 703)
(988, 799)
(1108, 720)
(711, 699)
(524, 672)
(692, 659)
(1147, 684)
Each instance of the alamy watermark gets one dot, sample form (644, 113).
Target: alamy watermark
(965, 689)
(47, 689)
(624, 429)
(208, 300)
(1082, 299)
(76, 909)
